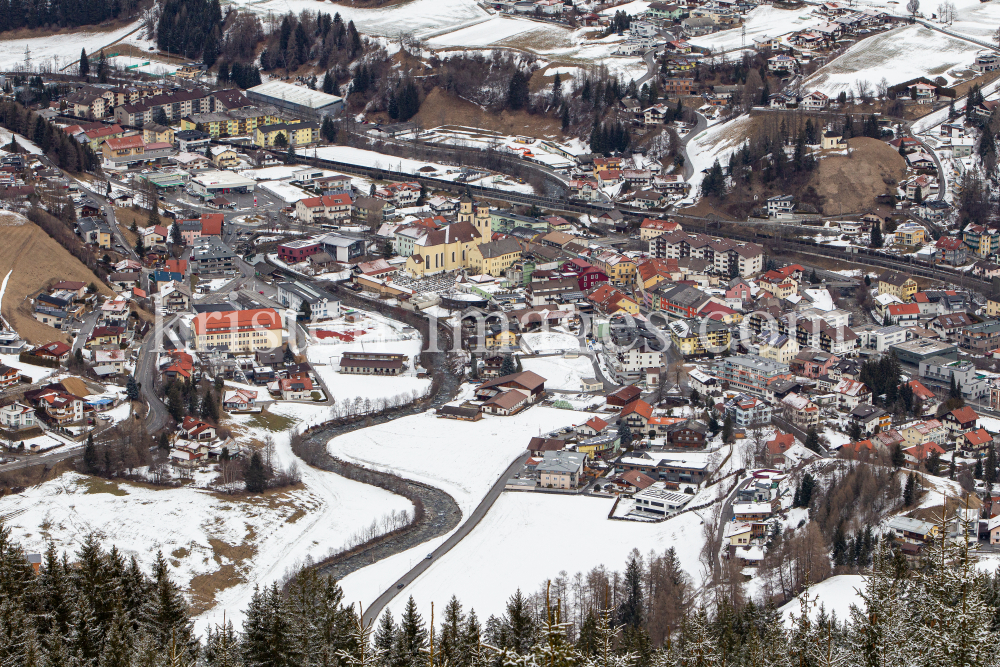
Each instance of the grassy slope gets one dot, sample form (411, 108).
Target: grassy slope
(37, 261)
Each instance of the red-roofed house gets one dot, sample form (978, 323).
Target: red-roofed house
(632, 481)
(637, 414)
(295, 389)
(54, 350)
(961, 420)
(915, 455)
(194, 429)
(777, 447)
(211, 224)
(976, 440)
(902, 312)
(592, 427)
(651, 228)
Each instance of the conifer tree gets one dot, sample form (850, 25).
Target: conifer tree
(166, 613)
(411, 640)
(385, 640)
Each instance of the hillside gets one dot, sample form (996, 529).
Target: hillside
(850, 183)
(37, 261)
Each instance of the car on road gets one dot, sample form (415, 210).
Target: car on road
(261, 291)
(399, 586)
(429, 556)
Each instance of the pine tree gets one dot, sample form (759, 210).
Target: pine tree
(631, 613)
(166, 613)
(132, 389)
(412, 637)
(385, 640)
(450, 639)
(876, 236)
(699, 645)
(255, 476)
(727, 430)
(209, 407)
(898, 458)
(507, 366)
(624, 434)
(84, 63)
(910, 490)
(90, 455)
(812, 439)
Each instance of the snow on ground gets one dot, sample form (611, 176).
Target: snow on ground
(632, 8)
(405, 165)
(516, 546)
(284, 191)
(420, 18)
(60, 50)
(836, 594)
(36, 373)
(483, 34)
(462, 458)
(544, 342)
(764, 21)
(324, 355)
(23, 142)
(717, 142)
(559, 372)
(936, 489)
(898, 55)
(192, 527)
(154, 67)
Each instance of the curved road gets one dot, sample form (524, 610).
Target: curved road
(373, 611)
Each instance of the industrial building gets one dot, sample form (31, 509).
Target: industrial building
(209, 184)
(921, 349)
(299, 100)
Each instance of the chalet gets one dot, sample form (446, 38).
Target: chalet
(509, 394)
(195, 429)
(960, 420)
(241, 400)
(295, 389)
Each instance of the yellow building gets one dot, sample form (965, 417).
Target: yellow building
(900, 286)
(619, 268)
(238, 331)
(153, 134)
(224, 157)
(502, 338)
(296, 134)
(993, 306)
(446, 249)
(697, 337)
(911, 234)
(493, 258)
(606, 164)
(778, 347)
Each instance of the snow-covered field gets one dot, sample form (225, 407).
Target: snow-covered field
(198, 532)
(404, 165)
(836, 594)
(154, 66)
(764, 21)
(324, 355)
(898, 55)
(462, 458)
(420, 18)
(527, 538)
(483, 34)
(545, 342)
(57, 51)
(560, 373)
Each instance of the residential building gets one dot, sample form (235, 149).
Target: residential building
(748, 373)
(897, 284)
(238, 331)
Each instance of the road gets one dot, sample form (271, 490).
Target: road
(373, 611)
(109, 211)
(726, 515)
(700, 126)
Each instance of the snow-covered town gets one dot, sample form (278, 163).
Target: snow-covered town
(578, 333)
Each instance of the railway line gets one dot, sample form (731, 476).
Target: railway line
(734, 230)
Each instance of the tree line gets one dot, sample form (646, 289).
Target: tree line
(99, 609)
(17, 14)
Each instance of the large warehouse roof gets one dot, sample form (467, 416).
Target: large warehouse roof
(300, 95)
